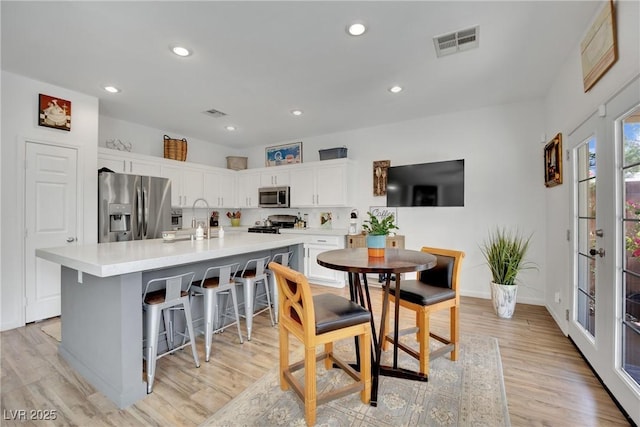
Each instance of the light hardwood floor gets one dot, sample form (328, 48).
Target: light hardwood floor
(547, 382)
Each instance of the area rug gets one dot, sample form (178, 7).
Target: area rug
(468, 392)
(53, 330)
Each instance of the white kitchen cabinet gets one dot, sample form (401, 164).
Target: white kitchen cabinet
(275, 178)
(220, 189)
(315, 272)
(248, 183)
(125, 163)
(322, 184)
(187, 184)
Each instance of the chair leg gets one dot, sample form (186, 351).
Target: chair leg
(310, 392)
(423, 331)
(234, 298)
(328, 349)
(386, 326)
(153, 328)
(455, 331)
(209, 305)
(268, 293)
(274, 296)
(249, 286)
(284, 357)
(168, 328)
(192, 336)
(365, 366)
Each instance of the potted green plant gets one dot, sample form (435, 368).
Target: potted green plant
(377, 231)
(505, 252)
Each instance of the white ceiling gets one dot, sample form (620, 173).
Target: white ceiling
(256, 61)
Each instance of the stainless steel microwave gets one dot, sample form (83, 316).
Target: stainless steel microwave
(273, 197)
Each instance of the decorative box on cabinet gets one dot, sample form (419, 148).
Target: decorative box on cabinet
(360, 241)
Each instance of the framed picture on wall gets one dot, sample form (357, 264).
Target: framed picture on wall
(283, 154)
(599, 50)
(553, 162)
(54, 112)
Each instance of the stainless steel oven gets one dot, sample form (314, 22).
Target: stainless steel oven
(273, 197)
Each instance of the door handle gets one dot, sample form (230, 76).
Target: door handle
(70, 239)
(600, 252)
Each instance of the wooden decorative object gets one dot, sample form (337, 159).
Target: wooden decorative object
(380, 168)
(599, 49)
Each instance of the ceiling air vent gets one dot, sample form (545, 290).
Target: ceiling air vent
(458, 41)
(215, 113)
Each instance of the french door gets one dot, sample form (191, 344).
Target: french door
(604, 317)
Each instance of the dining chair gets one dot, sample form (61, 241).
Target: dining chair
(217, 281)
(319, 320)
(161, 298)
(435, 289)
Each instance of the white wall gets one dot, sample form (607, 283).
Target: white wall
(150, 141)
(19, 123)
(566, 106)
(504, 184)
(503, 172)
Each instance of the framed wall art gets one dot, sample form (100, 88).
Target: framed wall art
(54, 112)
(599, 50)
(380, 169)
(283, 154)
(553, 162)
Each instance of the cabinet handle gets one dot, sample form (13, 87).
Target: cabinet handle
(131, 166)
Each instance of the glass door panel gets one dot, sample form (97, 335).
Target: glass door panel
(630, 295)
(585, 298)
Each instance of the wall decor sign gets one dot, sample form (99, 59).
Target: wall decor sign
(599, 50)
(381, 212)
(286, 154)
(380, 169)
(553, 162)
(54, 112)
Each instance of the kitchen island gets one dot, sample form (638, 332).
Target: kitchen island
(101, 298)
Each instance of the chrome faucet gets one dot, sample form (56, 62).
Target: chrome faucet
(193, 221)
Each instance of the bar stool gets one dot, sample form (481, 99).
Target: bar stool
(252, 274)
(162, 297)
(216, 282)
(281, 258)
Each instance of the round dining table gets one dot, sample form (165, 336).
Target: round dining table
(357, 263)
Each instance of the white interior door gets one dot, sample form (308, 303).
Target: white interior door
(50, 221)
(603, 319)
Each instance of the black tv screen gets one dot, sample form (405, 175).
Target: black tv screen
(426, 184)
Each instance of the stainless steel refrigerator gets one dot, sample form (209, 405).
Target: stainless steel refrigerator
(132, 207)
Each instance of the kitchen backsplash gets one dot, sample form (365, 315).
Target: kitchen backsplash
(339, 216)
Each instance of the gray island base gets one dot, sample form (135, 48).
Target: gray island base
(102, 284)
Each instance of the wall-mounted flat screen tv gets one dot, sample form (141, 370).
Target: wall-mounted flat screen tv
(426, 184)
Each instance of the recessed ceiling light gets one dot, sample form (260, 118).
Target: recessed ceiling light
(395, 89)
(111, 89)
(181, 51)
(296, 112)
(356, 29)
(230, 128)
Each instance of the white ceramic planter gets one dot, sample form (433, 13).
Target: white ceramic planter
(504, 299)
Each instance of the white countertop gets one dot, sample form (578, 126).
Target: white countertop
(316, 231)
(111, 259)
